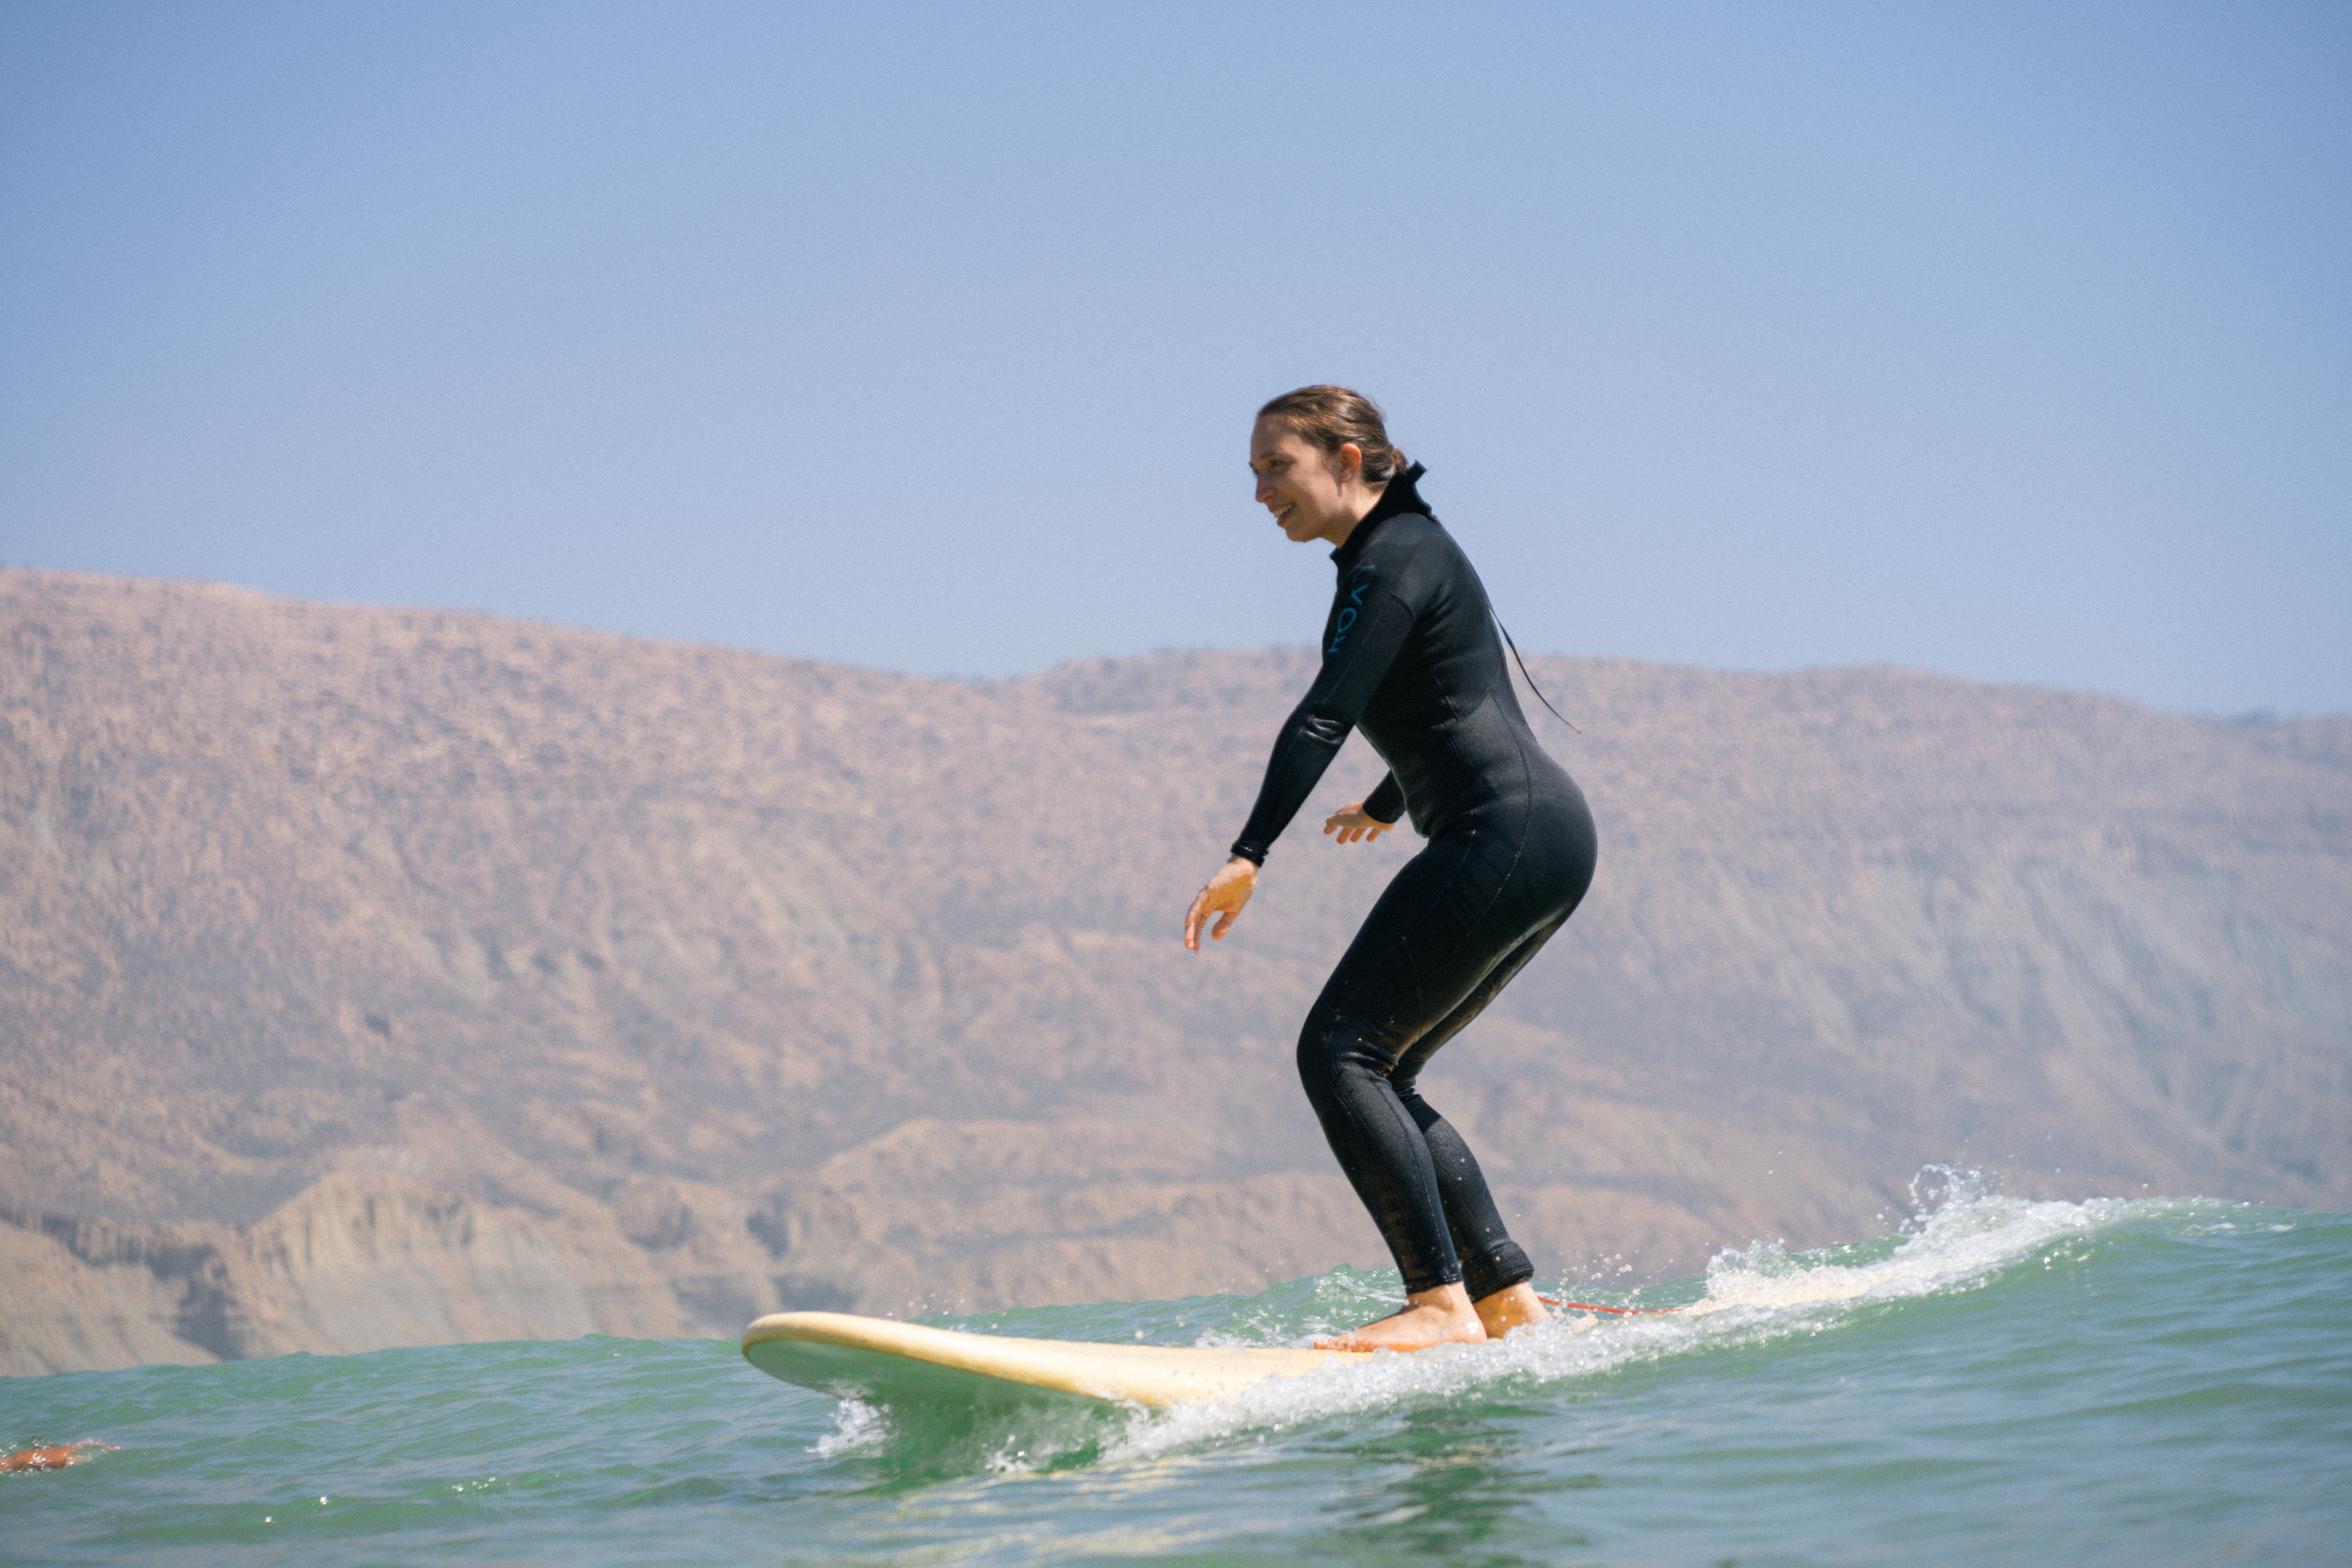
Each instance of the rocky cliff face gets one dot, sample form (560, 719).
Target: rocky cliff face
(374, 976)
(357, 1261)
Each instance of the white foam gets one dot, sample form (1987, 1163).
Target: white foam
(856, 1425)
(1954, 1248)
(1762, 1292)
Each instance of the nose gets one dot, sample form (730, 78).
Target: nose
(1264, 484)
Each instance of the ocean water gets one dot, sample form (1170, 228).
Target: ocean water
(2137, 1383)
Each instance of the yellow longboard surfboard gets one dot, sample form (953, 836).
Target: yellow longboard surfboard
(882, 1362)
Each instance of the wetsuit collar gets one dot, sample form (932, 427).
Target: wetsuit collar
(1398, 499)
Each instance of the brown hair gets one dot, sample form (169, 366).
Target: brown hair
(1329, 417)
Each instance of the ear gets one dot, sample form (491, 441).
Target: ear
(1348, 462)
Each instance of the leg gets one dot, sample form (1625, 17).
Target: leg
(1374, 1005)
(1492, 1263)
(1448, 934)
(1387, 1161)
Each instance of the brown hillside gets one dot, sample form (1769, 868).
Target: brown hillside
(375, 976)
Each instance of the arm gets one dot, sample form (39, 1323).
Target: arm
(1312, 735)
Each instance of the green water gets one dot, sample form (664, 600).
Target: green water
(2148, 1382)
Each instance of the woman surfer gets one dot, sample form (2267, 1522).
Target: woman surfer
(1411, 658)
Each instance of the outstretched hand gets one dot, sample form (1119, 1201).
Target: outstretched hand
(1227, 892)
(1351, 824)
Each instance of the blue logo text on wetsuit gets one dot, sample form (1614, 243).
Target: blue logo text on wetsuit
(1357, 587)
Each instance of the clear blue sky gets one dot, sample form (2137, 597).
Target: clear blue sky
(2013, 342)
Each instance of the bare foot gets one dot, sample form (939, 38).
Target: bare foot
(1513, 1307)
(1439, 1317)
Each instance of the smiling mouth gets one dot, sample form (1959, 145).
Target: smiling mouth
(1282, 513)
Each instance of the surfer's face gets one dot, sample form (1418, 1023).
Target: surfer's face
(1305, 489)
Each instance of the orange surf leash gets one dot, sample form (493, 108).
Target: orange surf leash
(1616, 1312)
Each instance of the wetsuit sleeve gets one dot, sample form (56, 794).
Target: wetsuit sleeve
(1385, 803)
(1317, 727)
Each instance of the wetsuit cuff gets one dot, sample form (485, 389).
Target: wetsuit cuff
(1499, 1268)
(1253, 853)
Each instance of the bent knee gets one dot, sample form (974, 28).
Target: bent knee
(1332, 1054)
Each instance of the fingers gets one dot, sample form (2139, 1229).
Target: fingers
(1225, 894)
(1199, 916)
(1349, 825)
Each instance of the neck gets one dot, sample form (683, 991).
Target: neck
(1356, 503)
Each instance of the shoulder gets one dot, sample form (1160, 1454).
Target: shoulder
(1409, 547)
(1406, 536)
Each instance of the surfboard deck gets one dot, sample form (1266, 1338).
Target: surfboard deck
(883, 1362)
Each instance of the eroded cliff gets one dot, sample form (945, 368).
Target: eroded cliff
(377, 976)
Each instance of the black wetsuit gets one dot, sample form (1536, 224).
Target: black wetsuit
(1411, 658)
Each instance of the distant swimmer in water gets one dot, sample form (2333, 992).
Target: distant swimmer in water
(54, 1458)
(1411, 658)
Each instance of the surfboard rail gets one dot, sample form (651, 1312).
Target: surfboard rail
(877, 1358)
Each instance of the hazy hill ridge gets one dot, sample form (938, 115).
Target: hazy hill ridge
(377, 976)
